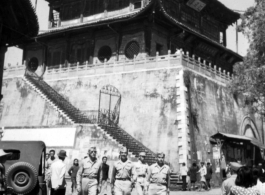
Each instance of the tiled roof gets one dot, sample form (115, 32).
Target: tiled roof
(96, 22)
(186, 27)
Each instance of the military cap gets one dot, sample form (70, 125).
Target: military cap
(92, 149)
(142, 154)
(235, 166)
(124, 149)
(161, 153)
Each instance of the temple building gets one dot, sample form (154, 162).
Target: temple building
(150, 75)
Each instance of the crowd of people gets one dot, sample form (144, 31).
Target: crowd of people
(92, 175)
(244, 180)
(200, 174)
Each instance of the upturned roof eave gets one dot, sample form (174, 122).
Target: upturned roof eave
(187, 28)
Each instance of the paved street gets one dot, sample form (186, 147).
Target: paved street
(215, 191)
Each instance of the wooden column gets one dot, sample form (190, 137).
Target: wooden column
(3, 50)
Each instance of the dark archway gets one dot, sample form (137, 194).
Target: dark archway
(109, 106)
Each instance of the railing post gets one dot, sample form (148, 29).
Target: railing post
(68, 68)
(220, 72)
(204, 64)
(169, 55)
(181, 55)
(215, 69)
(228, 76)
(86, 65)
(188, 58)
(224, 72)
(157, 55)
(60, 68)
(200, 64)
(193, 61)
(77, 66)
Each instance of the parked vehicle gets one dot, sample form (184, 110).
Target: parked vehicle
(25, 168)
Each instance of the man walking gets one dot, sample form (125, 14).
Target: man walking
(104, 168)
(73, 172)
(88, 176)
(208, 176)
(58, 170)
(122, 178)
(49, 162)
(140, 172)
(230, 182)
(159, 177)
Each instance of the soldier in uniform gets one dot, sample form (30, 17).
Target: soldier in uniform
(140, 172)
(122, 178)
(88, 176)
(158, 176)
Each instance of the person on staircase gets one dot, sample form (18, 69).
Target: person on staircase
(140, 172)
(88, 178)
(122, 176)
(159, 177)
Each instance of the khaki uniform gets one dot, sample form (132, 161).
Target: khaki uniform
(123, 177)
(87, 176)
(140, 172)
(158, 179)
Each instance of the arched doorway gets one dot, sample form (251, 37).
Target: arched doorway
(249, 129)
(109, 105)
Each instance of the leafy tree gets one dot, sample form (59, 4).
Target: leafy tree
(249, 75)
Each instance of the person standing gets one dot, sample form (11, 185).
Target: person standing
(88, 179)
(49, 162)
(208, 176)
(184, 173)
(202, 172)
(223, 166)
(122, 178)
(73, 172)
(140, 172)
(159, 177)
(58, 170)
(228, 183)
(104, 168)
(193, 175)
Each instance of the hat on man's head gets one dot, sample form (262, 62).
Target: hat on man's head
(235, 166)
(142, 154)
(93, 148)
(62, 153)
(124, 149)
(3, 153)
(160, 153)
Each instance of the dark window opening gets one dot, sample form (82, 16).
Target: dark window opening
(55, 17)
(33, 64)
(104, 53)
(15, 154)
(137, 5)
(159, 48)
(132, 49)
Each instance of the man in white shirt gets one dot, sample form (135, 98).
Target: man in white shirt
(58, 170)
(230, 182)
(184, 172)
(140, 172)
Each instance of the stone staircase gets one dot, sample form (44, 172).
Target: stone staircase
(75, 116)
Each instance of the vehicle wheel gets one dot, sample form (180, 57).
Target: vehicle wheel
(22, 177)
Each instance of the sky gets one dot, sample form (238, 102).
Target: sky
(14, 55)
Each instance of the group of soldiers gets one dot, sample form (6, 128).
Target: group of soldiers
(125, 176)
